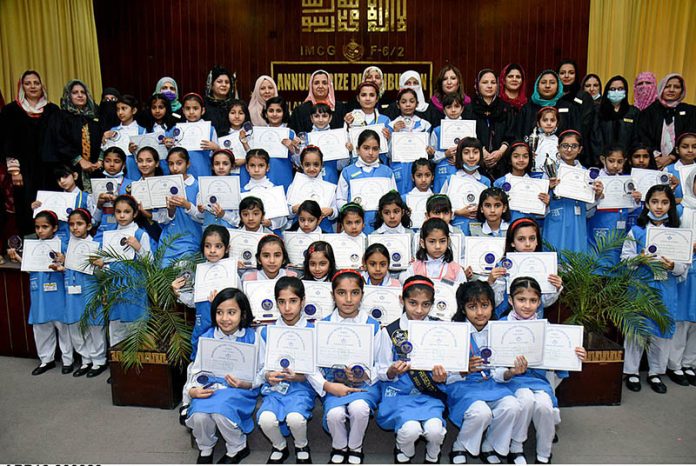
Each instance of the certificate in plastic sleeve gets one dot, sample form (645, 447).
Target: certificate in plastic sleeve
(354, 133)
(617, 193)
(508, 339)
(104, 186)
(445, 302)
(348, 250)
(675, 244)
(417, 203)
(296, 243)
(39, 254)
(151, 140)
(115, 242)
(346, 344)
(162, 187)
(191, 134)
(451, 131)
(290, 348)
(646, 179)
(305, 188)
(79, 253)
(382, 303)
(464, 191)
(332, 143)
(559, 347)
(398, 245)
(214, 276)
(274, 202)
(222, 190)
(60, 203)
(538, 265)
(243, 245)
(409, 147)
(524, 194)
(456, 240)
(223, 357)
(574, 183)
(261, 299)
(141, 193)
(319, 301)
(482, 253)
(439, 343)
(271, 139)
(368, 191)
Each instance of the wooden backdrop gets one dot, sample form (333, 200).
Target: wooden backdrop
(141, 41)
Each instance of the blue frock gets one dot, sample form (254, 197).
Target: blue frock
(188, 230)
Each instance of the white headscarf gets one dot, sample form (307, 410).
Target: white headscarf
(422, 103)
(381, 77)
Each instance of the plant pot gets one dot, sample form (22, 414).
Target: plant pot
(600, 382)
(156, 384)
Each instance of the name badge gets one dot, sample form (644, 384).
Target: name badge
(621, 225)
(111, 219)
(50, 287)
(577, 210)
(563, 110)
(75, 289)
(282, 388)
(682, 113)
(577, 101)
(628, 120)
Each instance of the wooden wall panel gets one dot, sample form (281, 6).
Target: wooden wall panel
(141, 41)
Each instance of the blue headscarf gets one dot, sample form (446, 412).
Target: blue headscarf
(536, 98)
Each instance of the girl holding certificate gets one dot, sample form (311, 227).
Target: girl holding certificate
(126, 109)
(367, 114)
(258, 163)
(434, 258)
(685, 149)
(412, 404)
(271, 260)
(212, 213)
(102, 208)
(225, 406)
(319, 263)
(193, 110)
(376, 265)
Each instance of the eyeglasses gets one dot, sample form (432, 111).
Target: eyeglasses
(565, 146)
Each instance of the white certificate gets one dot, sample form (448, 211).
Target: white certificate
(104, 186)
(292, 346)
(398, 245)
(344, 344)
(482, 253)
(162, 187)
(61, 203)
(223, 190)
(574, 183)
(687, 174)
(524, 194)
(243, 245)
(190, 135)
(382, 303)
(355, 131)
(417, 203)
(456, 243)
(296, 243)
(617, 193)
(80, 251)
(141, 193)
(214, 276)
(38, 254)
(409, 147)
(646, 179)
(537, 265)
(319, 301)
(222, 357)
(453, 130)
(151, 140)
(305, 188)
(274, 202)
(464, 191)
(445, 302)
(262, 299)
(368, 191)
(120, 139)
(270, 139)
(439, 343)
(675, 244)
(508, 339)
(115, 242)
(233, 143)
(348, 250)
(559, 348)
(332, 143)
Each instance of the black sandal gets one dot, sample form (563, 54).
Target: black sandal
(396, 457)
(511, 457)
(486, 455)
(355, 454)
(303, 450)
(285, 452)
(456, 453)
(336, 452)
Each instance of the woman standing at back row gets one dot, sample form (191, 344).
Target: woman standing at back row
(321, 89)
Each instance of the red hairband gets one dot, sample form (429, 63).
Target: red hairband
(224, 151)
(548, 107)
(194, 94)
(517, 144)
(84, 211)
(51, 213)
(418, 282)
(521, 220)
(569, 131)
(368, 83)
(345, 271)
(685, 135)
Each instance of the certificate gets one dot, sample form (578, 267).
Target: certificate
(464, 191)
(222, 357)
(382, 303)
(675, 244)
(162, 187)
(482, 253)
(617, 193)
(508, 339)
(151, 140)
(417, 203)
(38, 254)
(332, 143)
(104, 186)
(296, 243)
(274, 202)
(445, 302)
(524, 194)
(223, 190)
(116, 243)
(355, 131)
(80, 251)
(398, 245)
(559, 348)
(368, 191)
(574, 183)
(348, 250)
(141, 193)
(451, 131)
(344, 344)
(456, 241)
(646, 179)
(319, 301)
(291, 348)
(261, 299)
(233, 143)
(270, 139)
(687, 174)
(60, 203)
(538, 265)
(214, 276)
(243, 245)
(439, 343)
(305, 188)
(120, 139)
(409, 147)
(190, 135)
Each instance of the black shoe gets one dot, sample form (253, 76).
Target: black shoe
(487, 455)
(341, 453)
(511, 457)
(204, 459)
(656, 384)
(679, 379)
(633, 383)
(67, 369)
(43, 368)
(356, 454)
(308, 460)
(96, 370)
(555, 437)
(456, 453)
(285, 452)
(426, 461)
(82, 370)
(690, 375)
(536, 460)
(396, 457)
(236, 459)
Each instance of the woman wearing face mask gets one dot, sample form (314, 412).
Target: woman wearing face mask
(616, 119)
(168, 87)
(106, 111)
(321, 89)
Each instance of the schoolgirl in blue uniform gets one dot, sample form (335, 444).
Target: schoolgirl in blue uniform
(288, 397)
(685, 148)
(229, 406)
(453, 106)
(319, 263)
(237, 116)
(271, 260)
(193, 109)
(412, 402)
(376, 264)
(366, 166)
(159, 119)
(102, 207)
(367, 114)
(408, 121)
(126, 110)
(393, 215)
(321, 121)
(641, 157)
(210, 212)
(258, 164)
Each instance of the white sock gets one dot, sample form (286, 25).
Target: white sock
(353, 459)
(301, 455)
(520, 460)
(542, 459)
(276, 455)
(689, 372)
(459, 459)
(207, 452)
(493, 457)
(402, 458)
(337, 458)
(678, 372)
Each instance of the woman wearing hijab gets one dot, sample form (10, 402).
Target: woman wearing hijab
(616, 120)
(170, 90)
(512, 83)
(321, 89)
(372, 74)
(427, 111)
(644, 90)
(666, 118)
(264, 89)
(24, 124)
(106, 111)
(219, 93)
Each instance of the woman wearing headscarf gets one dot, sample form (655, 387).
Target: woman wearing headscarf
(372, 74)
(264, 89)
(666, 118)
(644, 90)
(219, 93)
(170, 90)
(425, 110)
(106, 111)
(615, 121)
(512, 83)
(321, 89)
(24, 124)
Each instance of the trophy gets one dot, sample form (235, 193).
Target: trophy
(358, 117)
(408, 121)
(15, 242)
(593, 172)
(248, 128)
(629, 187)
(187, 287)
(550, 168)
(177, 135)
(304, 140)
(357, 371)
(403, 346)
(486, 354)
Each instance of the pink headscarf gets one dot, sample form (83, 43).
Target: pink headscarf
(645, 95)
(330, 99)
(663, 84)
(257, 104)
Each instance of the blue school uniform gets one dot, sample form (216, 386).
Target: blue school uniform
(329, 171)
(673, 169)
(355, 172)
(188, 230)
(236, 404)
(515, 214)
(565, 226)
(402, 170)
(279, 170)
(163, 161)
(458, 220)
(133, 304)
(132, 129)
(47, 295)
(443, 170)
(200, 159)
(79, 289)
(63, 232)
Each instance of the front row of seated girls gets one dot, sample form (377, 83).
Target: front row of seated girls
(492, 407)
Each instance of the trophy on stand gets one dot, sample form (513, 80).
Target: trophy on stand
(187, 287)
(358, 374)
(533, 141)
(15, 242)
(551, 170)
(408, 121)
(248, 128)
(304, 141)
